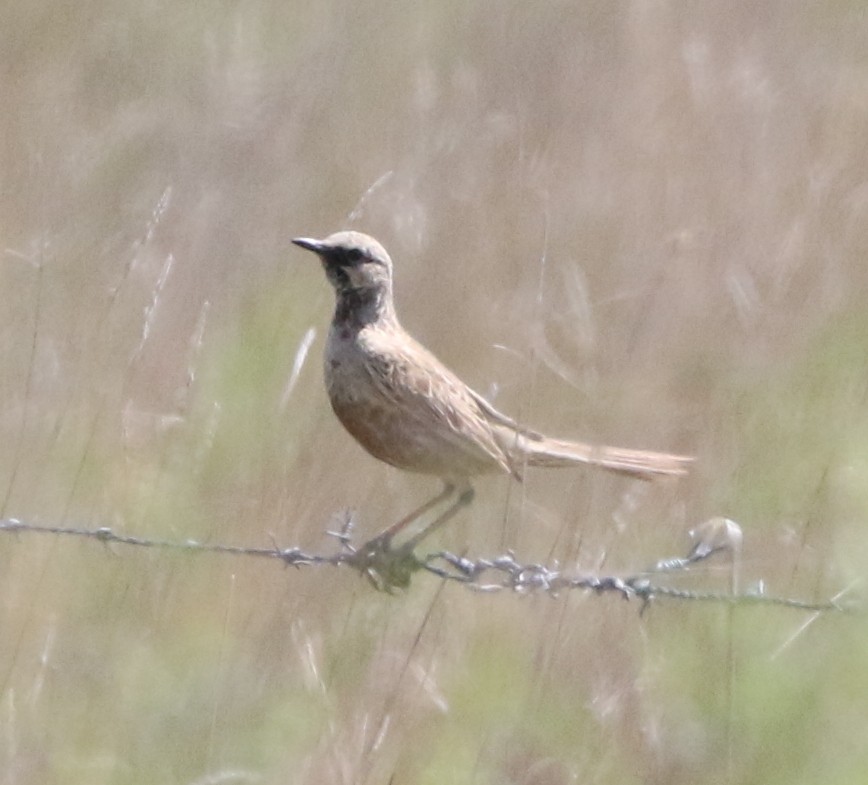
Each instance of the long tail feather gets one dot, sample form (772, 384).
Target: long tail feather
(537, 450)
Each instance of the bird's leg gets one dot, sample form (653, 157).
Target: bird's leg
(386, 567)
(464, 496)
(385, 536)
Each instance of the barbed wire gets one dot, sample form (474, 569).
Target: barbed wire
(389, 568)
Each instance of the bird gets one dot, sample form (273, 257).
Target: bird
(408, 409)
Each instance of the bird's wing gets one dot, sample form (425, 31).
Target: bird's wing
(426, 391)
(500, 418)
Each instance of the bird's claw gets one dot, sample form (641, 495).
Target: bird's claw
(386, 568)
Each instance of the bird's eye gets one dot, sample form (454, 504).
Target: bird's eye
(354, 255)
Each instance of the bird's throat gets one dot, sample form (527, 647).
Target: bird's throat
(357, 308)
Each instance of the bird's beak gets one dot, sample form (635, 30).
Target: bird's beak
(308, 244)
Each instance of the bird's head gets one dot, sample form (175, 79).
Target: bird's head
(353, 263)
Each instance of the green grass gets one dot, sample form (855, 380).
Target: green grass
(658, 215)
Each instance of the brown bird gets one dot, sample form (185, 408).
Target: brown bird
(408, 409)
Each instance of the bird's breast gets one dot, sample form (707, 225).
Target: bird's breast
(347, 367)
(407, 414)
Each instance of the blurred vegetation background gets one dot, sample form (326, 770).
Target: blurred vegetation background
(644, 223)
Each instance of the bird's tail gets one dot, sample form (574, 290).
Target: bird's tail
(537, 450)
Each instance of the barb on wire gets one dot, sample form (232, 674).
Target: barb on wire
(389, 568)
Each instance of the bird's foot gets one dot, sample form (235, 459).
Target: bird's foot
(386, 567)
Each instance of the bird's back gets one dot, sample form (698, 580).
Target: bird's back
(407, 408)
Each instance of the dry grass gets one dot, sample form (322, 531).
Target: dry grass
(639, 222)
